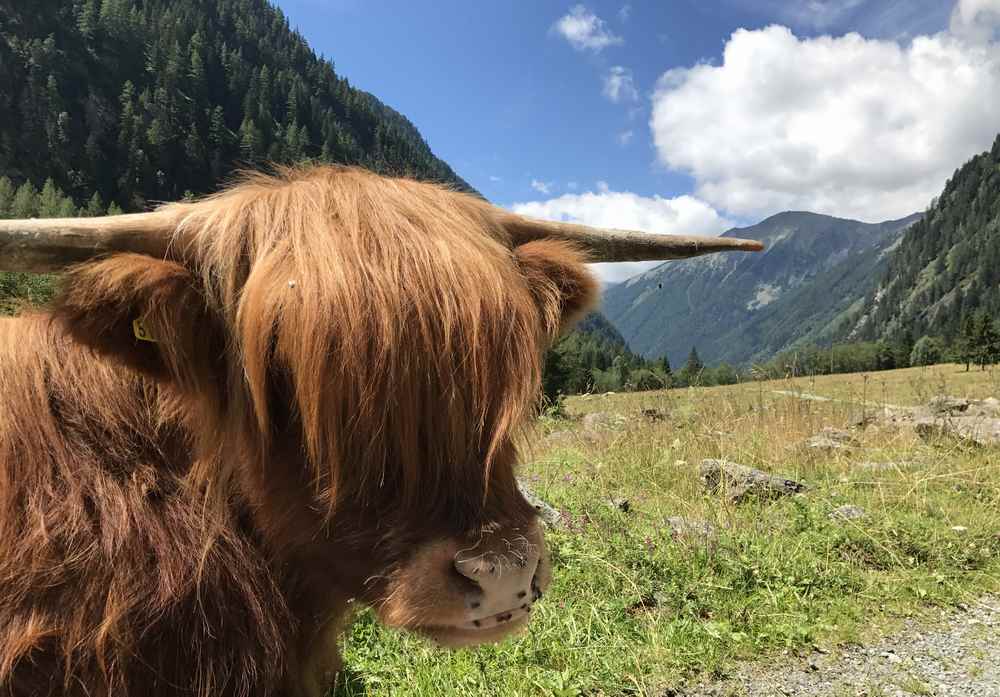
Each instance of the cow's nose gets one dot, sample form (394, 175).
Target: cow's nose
(505, 584)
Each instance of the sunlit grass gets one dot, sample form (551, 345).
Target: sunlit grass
(633, 611)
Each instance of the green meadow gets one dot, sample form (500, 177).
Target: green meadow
(643, 603)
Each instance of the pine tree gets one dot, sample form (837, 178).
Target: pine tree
(50, 200)
(94, 208)
(87, 18)
(965, 349)
(25, 204)
(251, 140)
(691, 373)
(694, 364)
(664, 365)
(987, 341)
(6, 197)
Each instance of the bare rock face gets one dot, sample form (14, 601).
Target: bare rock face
(740, 483)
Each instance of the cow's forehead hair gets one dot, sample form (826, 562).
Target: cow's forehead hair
(395, 310)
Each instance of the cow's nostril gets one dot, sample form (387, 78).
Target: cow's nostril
(536, 591)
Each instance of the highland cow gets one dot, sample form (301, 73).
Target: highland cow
(246, 415)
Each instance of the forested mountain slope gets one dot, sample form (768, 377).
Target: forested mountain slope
(946, 269)
(148, 100)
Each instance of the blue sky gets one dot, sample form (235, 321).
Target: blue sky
(689, 115)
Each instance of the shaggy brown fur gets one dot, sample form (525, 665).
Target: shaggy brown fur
(342, 366)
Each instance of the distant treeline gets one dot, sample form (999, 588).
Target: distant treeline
(977, 344)
(595, 358)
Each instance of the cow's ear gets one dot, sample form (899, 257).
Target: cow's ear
(563, 286)
(145, 313)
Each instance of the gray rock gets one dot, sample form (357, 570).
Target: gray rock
(602, 421)
(651, 601)
(740, 482)
(991, 405)
(976, 430)
(943, 405)
(848, 513)
(690, 528)
(882, 466)
(549, 515)
(823, 444)
(830, 439)
(563, 437)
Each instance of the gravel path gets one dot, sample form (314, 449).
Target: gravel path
(959, 656)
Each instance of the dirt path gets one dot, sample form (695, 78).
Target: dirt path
(958, 656)
(805, 396)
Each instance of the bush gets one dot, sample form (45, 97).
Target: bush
(927, 351)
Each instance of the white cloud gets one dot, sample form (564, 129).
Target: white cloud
(585, 31)
(602, 186)
(976, 20)
(819, 14)
(622, 209)
(541, 187)
(571, 185)
(625, 137)
(625, 12)
(619, 85)
(495, 179)
(847, 126)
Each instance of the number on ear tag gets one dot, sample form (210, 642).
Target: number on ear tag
(140, 331)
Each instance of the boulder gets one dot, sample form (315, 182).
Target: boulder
(976, 430)
(944, 405)
(549, 515)
(740, 483)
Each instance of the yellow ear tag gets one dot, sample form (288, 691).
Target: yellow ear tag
(140, 331)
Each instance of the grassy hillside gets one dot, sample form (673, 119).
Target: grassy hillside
(637, 610)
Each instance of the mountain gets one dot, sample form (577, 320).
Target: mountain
(602, 330)
(743, 307)
(139, 101)
(946, 269)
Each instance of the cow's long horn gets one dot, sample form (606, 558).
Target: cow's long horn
(606, 244)
(51, 244)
